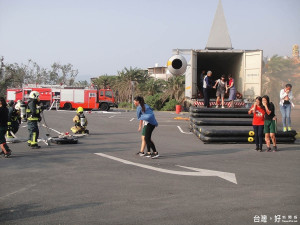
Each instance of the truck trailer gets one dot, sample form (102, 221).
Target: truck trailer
(244, 65)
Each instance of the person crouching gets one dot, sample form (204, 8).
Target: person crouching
(80, 122)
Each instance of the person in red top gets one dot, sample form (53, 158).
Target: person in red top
(258, 122)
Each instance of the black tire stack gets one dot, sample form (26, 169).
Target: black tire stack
(229, 125)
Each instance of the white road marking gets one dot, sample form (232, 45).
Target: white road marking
(111, 112)
(200, 172)
(183, 131)
(15, 192)
(131, 119)
(52, 129)
(111, 116)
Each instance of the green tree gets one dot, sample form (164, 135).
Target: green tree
(62, 74)
(127, 82)
(175, 89)
(105, 81)
(278, 72)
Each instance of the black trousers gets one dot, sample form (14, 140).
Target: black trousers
(148, 134)
(259, 135)
(206, 96)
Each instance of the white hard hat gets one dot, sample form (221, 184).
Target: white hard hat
(18, 105)
(34, 95)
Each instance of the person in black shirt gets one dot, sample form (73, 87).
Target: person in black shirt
(270, 123)
(3, 128)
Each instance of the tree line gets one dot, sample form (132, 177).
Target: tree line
(15, 75)
(130, 82)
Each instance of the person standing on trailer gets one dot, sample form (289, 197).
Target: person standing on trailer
(145, 113)
(206, 88)
(200, 83)
(232, 91)
(3, 128)
(221, 89)
(258, 122)
(33, 112)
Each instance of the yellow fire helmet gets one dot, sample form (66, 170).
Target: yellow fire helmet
(79, 109)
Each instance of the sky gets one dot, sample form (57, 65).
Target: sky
(104, 36)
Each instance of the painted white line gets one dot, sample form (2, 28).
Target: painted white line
(15, 192)
(112, 112)
(183, 131)
(52, 129)
(131, 119)
(111, 116)
(200, 172)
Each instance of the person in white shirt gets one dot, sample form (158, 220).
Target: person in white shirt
(286, 97)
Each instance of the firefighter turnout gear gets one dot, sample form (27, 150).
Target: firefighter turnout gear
(3, 128)
(80, 122)
(33, 117)
(14, 120)
(21, 107)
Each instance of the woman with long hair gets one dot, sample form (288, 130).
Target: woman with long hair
(232, 91)
(145, 113)
(221, 89)
(258, 122)
(286, 97)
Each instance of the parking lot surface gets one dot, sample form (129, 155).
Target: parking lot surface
(101, 180)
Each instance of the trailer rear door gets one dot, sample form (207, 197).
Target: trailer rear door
(252, 65)
(191, 77)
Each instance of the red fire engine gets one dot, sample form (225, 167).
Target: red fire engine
(66, 97)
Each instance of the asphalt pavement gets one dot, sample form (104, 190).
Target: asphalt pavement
(101, 180)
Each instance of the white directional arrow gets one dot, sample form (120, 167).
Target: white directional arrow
(200, 172)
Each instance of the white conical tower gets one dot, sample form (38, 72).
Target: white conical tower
(219, 36)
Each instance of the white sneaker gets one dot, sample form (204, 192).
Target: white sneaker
(155, 155)
(223, 107)
(217, 106)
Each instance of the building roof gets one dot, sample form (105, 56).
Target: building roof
(219, 36)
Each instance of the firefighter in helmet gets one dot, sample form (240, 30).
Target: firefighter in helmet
(33, 117)
(80, 122)
(14, 119)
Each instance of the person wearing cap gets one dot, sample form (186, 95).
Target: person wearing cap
(33, 112)
(80, 122)
(14, 120)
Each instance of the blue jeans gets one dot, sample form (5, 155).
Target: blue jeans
(286, 114)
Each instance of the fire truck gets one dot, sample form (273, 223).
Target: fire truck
(64, 97)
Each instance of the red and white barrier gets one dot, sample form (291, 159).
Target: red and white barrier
(227, 104)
